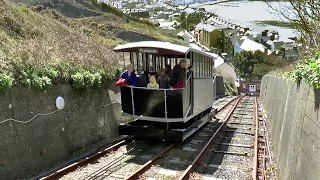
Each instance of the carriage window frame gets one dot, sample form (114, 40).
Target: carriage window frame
(210, 64)
(206, 66)
(194, 65)
(203, 66)
(208, 60)
(199, 66)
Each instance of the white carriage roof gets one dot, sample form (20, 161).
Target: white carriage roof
(158, 47)
(151, 44)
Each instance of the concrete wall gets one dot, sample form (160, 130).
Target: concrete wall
(27, 149)
(294, 116)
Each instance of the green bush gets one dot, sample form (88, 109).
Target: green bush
(308, 71)
(44, 77)
(41, 82)
(6, 82)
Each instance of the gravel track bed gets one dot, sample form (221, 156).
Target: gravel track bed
(118, 164)
(232, 166)
(177, 160)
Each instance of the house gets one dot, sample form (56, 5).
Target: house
(249, 45)
(185, 37)
(155, 23)
(189, 11)
(163, 15)
(232, 46)
(209, 35)
(274, 45)
(198, 30)
(227, 71)
(174, 15)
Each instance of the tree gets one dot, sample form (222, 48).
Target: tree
(252, 64)
(305, 18)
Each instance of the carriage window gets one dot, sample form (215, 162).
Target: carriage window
(194, 65)
(203, 66)
(211, 67)
(206, 66)
(200, 66)
(150, 62)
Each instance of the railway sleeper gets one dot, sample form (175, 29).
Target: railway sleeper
(231, 153)
(240, 132)
(235, 145)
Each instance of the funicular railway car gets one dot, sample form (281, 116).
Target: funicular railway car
(170, 114)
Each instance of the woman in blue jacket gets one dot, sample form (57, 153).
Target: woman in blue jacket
(129, 75)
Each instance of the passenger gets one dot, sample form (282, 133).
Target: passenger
(181, 81)
(190, 70)
(153, 83)
(168, 70)
(143, 80)
(177, 71)
(163, 80)
(129, 75)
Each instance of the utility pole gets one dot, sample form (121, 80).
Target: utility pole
(187, 22)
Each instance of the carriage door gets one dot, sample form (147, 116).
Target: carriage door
(252, 88)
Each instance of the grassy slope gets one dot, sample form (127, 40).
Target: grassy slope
(34, 38)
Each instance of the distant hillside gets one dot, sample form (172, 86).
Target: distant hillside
(32, 39)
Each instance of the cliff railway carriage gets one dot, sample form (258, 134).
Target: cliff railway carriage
(171, 114)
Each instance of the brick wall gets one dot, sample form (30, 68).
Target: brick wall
(27, 149)
(294, 117)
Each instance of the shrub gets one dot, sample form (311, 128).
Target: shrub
(86, 80)
(40, 82)
(308, 71)
(6, 82)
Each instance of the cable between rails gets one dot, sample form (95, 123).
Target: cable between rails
(53, 112)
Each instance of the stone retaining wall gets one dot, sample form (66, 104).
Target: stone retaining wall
(293, 113)
(29, 148)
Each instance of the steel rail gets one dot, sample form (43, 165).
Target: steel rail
(147, 165)
(58, 174)
(264, 164)
(256, 141)
(186, 173)
(223, 107)
(264, 159)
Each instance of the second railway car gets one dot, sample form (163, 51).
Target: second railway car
(171, 114)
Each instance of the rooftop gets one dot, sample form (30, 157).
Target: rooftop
(249, 45)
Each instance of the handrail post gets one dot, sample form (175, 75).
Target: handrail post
(132, 99)
(165, 107)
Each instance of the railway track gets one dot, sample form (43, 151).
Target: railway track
(226, 147)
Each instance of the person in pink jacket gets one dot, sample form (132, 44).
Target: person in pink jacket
(181, 81)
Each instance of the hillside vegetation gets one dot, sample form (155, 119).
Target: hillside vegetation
(40, 47)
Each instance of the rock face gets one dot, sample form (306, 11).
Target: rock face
(30, 148)
(294, 116)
